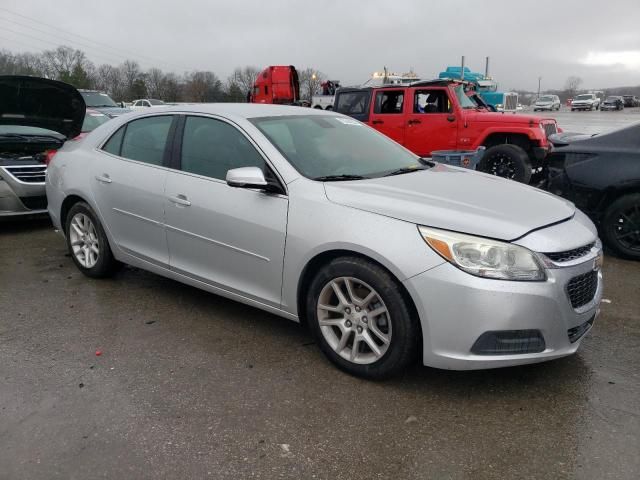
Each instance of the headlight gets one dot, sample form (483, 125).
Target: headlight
(483, 257)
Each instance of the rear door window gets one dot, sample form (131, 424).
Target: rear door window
(145, 139)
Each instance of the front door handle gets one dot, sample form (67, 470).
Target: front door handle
(414, 121)
(180, 200)
(104, 178)
(451, 118)
(376, 122)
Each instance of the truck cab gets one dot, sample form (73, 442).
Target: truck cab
(446, 115)
(276, 84)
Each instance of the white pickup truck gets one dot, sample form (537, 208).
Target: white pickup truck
(585, 101)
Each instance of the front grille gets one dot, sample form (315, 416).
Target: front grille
(569, 255)
(510, 102)
(550, 128)
(582, 289)
(35, 203)
(28, 174)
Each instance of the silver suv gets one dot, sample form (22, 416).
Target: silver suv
(316, 217)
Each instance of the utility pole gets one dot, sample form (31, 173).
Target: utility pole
(539, 80)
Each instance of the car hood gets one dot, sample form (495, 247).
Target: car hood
(42, 103)
(529, 120)
(455, 199)
(112, 112)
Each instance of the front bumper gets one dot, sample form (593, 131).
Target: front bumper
(456, 308)
(19, 199)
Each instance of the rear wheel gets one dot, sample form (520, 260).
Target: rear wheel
(360, 318)
(507, 161)
(621, 226)
(87, 242)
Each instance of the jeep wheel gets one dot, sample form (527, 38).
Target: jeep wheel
(507, 161)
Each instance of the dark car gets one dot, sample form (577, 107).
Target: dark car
(37, 116)
(612, 103)
(631, 101)
(103, 103)
(601, 175)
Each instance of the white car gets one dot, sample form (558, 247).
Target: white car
(547, 102)
(585, 101)
(147, 103)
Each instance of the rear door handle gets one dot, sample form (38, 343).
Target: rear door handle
(104, 178)
(180, 200)
(413, 122)
(376, 122)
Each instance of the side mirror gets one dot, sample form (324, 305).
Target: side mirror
(247, 177)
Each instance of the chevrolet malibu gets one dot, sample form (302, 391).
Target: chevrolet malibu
(318, 218)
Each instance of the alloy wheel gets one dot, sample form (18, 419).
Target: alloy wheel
(626, 228)
(84, 240)
(501, 165)
(354, 320)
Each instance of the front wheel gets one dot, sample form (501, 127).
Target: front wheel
(360, 318)
(507, 161)
(621, 226)
(87, 242)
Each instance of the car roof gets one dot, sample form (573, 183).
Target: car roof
(240, 110)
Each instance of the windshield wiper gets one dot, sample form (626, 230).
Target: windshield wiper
(337, 178)
(411, 169)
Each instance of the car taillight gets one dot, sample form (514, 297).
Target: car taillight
(80, 136)
(48, 156)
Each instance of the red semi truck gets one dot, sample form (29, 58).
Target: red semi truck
(277, 84)
(446, 115)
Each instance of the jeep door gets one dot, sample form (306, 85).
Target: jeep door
(388, 113)
(431, 121)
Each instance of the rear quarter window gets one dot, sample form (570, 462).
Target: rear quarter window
(354, 104)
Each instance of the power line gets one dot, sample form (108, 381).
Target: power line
(48, 42)
(119, 52)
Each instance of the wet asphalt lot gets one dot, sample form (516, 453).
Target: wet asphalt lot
(191, 385)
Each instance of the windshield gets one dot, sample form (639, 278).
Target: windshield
(611, 99)
(320, 146)
(584, 97)
(93, 120)
(545, 99)
(464, 101)
(97, 99)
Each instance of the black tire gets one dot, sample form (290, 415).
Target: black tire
(573, 109)
(621, 226)
(329, 108)
(106, 264)
(402, 348)
(507, 161)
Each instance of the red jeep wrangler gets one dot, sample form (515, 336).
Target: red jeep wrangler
(446, 115)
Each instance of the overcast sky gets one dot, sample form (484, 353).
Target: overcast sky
(348, 39)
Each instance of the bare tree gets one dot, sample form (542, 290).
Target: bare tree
(572, 85)
(310, 83)
(130, 73)
(203, 87)
(242, 79)
(155, 80)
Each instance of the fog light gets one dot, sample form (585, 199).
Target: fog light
(509, 342)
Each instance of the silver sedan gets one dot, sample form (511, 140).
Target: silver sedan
(316, 217)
